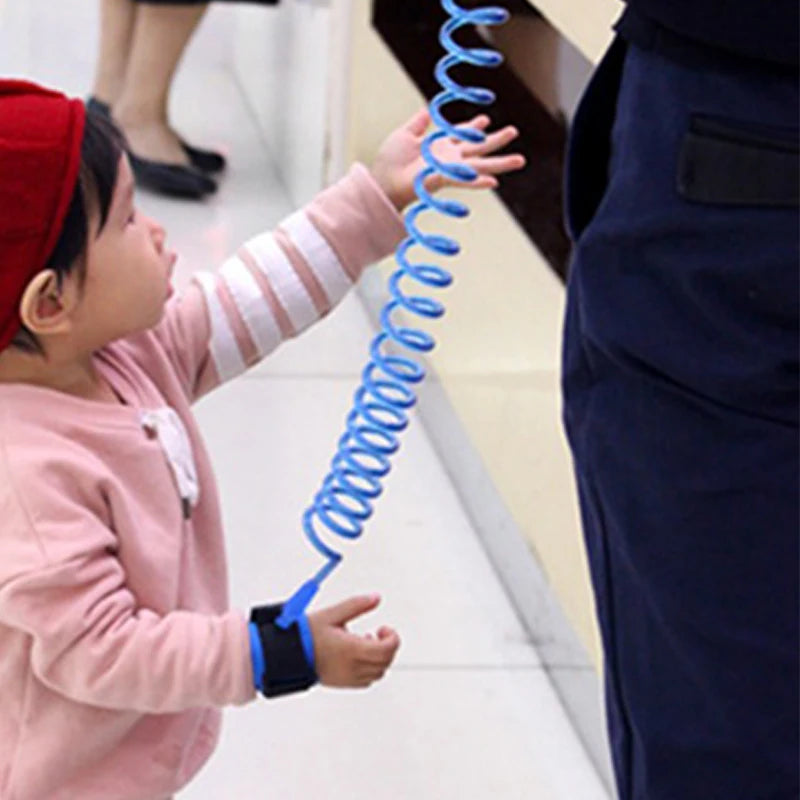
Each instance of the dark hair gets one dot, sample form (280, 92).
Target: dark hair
(101, 149)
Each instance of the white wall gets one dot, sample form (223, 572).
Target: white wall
(280, 59)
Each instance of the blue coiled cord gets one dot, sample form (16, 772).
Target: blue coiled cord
(382, 401)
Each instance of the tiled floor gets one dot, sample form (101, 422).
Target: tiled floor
(468, 713)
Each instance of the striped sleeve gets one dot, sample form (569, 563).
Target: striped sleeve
(280, 283)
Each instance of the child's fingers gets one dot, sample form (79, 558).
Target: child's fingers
(366, 678)
(481, 182)
(389, 638)
(381, 651)
(480, 122)
(384, 632)
(372, 671)
(349, 609)
(437, 182)
(494, 141)
(497, 165)
(419, 123)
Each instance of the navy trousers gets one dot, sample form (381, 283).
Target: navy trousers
(680, 381)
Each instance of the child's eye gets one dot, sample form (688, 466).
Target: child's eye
(132, 217)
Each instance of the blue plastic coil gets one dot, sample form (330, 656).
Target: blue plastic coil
(382, 401)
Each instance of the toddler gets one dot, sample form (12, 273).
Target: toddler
(118, 645)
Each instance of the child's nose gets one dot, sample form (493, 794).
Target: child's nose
(158, 233)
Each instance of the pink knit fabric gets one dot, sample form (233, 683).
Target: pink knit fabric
(117, 644)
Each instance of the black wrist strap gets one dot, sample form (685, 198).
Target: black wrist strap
(286, 667)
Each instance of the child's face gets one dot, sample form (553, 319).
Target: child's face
(128, 270)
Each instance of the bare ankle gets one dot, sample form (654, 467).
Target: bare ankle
(154, 141)
(136, 115)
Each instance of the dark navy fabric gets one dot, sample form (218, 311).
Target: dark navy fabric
(767, 31)
(680, 381)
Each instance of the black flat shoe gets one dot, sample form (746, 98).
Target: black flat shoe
(174, 180)
(204, 160)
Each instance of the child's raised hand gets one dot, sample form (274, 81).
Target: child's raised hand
(399, 160)
(348, 660)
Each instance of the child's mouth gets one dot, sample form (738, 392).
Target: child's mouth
(172, 258)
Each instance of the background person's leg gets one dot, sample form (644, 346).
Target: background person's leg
(160, 36)
(117, 18)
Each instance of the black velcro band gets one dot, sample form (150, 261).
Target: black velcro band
(286, 667)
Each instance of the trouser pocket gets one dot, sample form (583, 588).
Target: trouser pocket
(738, 163)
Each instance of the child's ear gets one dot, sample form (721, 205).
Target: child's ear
(46, 308)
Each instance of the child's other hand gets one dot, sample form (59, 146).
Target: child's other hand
(399, 160)
(345, 659)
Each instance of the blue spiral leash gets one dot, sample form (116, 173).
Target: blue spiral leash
(379, 414)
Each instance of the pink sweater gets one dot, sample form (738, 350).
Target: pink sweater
(117, 645)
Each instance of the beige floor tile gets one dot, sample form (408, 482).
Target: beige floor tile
(418, 735)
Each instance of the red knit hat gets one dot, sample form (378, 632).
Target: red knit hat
(41, 132)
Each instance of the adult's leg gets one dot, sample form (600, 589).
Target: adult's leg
(160, 35)
(681, 403)
(117, 18)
